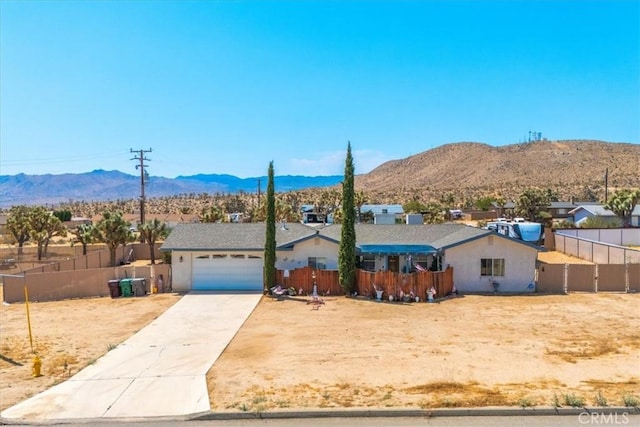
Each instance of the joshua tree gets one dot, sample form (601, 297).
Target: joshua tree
(18, 225)
(113, 231)
(213, 214)
(622, 203)
(532, 202)
(151, 232)
(42, 227)
(84, 235)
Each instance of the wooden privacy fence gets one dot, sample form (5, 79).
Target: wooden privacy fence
(301, 279)
(398, 284)
(327, 283)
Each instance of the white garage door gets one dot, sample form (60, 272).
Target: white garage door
(227, 273)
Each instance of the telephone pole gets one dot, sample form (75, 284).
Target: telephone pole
(258, 193)
(141, 158)
(606, 185)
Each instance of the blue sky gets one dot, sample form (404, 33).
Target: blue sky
(228, 86)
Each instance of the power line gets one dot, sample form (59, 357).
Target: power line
(61, 159)
(141, 158)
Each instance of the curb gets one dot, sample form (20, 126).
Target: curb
(418, 413)
(498, 411)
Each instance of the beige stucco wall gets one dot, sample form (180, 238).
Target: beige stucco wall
(181, 267)
(520, 265)
(285, 260)
(314, 247)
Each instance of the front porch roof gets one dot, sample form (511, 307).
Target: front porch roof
(397, 249)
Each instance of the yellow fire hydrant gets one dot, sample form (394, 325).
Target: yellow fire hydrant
(37, 365)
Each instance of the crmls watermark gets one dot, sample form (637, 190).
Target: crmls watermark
(603, 418)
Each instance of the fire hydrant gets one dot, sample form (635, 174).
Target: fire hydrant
(37, 364)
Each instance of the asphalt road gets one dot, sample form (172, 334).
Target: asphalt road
(584, 419)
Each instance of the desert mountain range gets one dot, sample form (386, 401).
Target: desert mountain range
(572, 168)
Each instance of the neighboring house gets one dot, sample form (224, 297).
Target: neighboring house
(383, 214)
(310, 216)
(230, 256)
(561, 210)
(77, 221)
(584, 212)
(557, 210)
(508, 210)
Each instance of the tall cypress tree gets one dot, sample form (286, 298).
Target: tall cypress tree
(270, 235)
(347, 251)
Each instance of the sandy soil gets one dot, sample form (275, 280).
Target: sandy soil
(67, 336)
(466, 351)
(555, 257)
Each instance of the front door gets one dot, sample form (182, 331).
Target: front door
(393, 263)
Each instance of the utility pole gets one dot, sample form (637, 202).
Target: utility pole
(141, 158)
(606, 185)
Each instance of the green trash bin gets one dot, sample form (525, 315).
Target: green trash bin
(126, 287)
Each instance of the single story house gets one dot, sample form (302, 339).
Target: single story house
(383, 214)
(583, 212)
(506, 210)
(229, 256)
(561, 210)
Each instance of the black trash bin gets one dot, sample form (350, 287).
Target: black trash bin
(114, 288)
(139, 287)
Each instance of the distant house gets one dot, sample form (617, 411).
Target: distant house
(230, 256)
(557, 210)
(561, 210)
(383, 214)
(584, 212)
(310, 216)
(506, 210)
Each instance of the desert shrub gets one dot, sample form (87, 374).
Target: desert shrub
(574, 400)
(600, 399)
(599, 222)
(630, 400)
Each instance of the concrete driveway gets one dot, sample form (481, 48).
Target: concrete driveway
(159, 371)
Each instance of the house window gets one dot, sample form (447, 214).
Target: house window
(421, 260)
(319, 263)
(492, 267)
(368, 262)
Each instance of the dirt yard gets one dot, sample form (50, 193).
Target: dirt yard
(67, 336)
(467, 351)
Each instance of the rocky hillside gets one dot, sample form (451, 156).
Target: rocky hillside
(570, 167)
(462, 171)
